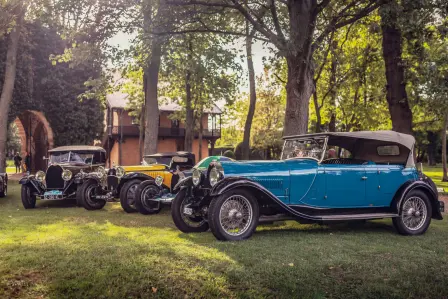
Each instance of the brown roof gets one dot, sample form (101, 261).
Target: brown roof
(77, 148)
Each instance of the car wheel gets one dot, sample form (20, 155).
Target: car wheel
(415, 214)
(127, 196)
(87, 191)
(144, 198)
(4, 192)
(234, 215)
(28, 200)
(186, 223)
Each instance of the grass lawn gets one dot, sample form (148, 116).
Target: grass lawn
(62, 251)
(436, 174)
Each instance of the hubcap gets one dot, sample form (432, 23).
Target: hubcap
(148, 198)
(131, 193)
(414, 213)
(90, 193)
(235, 215)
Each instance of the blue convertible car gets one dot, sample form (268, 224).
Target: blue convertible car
(321, 178)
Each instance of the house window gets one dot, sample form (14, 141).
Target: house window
(175, 123)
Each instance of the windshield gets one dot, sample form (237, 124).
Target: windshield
(156, 160)
(67, 157)
(304, 148)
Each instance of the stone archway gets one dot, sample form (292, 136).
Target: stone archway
(36, 137)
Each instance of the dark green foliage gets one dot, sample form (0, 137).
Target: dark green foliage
(229, 154)
(54, 89)
(239, 151)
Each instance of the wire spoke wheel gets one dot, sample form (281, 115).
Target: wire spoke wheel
(414, 213)
(148, 196)
(235, 215)
(91, 193)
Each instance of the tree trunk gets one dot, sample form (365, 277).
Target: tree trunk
(401, 114)
(432, 148)
(299, 52)
(189, 121)
(444, 166)
(141, 136)
(8, 86)
(201, 128)
(252, 97)
(333, 69)
(317, 111)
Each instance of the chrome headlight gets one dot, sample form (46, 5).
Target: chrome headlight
(40, 176)
(120, 171)
(101, 172)
(159, 180)
(215, 175)
(67, 175)
(196, 177)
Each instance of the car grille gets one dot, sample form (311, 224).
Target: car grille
(53, 177)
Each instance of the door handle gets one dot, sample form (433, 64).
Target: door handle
(364, 178)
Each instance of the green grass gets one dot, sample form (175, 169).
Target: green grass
(62, 251)
(436, 174)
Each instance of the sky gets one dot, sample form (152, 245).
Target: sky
(123, 41)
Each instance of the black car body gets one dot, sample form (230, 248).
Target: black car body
(3, 184)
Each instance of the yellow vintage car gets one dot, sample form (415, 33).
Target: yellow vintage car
(165, 165)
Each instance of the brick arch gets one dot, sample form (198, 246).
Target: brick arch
(36, 136)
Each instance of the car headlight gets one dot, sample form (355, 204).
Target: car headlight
(120, 171)
(101, 172)
(196, 177)
(215, 175)
(40, 176)
(67, 175)
(159, 180)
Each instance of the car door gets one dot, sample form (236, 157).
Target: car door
(303, 181)
(345, 186)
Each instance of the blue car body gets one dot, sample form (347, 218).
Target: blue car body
(368, 178)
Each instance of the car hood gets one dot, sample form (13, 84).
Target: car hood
(254, 168)
(140, 168)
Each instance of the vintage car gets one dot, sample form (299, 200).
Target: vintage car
(151, 195)
(321, 178)
(72, 172)
(3, 184)
(160, 164)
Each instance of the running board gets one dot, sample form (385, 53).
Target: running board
(274, 218)
(357, 216)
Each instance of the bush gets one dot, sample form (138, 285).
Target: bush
(239, 151)
(229, 154)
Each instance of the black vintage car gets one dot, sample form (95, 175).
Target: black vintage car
(3, 184)
(72, 172)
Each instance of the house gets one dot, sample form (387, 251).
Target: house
(122, 132)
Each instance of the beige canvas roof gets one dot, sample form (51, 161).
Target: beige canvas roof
(77, 148)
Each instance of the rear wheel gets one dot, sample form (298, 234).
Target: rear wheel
(234, 215)
(184, 222)
(127, 196)
(88, 191)
(145, 196)
(28, 199)
(415, 214)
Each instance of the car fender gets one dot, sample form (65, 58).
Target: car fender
(183, 183)
(422, 184)
(231, 183)
(32, 182)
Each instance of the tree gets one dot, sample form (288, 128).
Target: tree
(8, 82)
(307, 23)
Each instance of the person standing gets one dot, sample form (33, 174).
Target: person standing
(17, 162)
(28, 162)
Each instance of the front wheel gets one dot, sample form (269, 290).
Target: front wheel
(4, 192)
(234, 215)
(127, 196)
(415, 214)
(184, 222)
(28, 199)
(88, 191)
(145, 196)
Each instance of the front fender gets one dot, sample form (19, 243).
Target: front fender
(130, 176)
(32, 182)
(424, 184)
(184, 183)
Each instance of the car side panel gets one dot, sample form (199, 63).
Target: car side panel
(272, 175)
(391, 178)
(304, 181)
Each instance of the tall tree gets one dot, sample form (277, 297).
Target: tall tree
(307, 23)
(397, 98)
(9, 80)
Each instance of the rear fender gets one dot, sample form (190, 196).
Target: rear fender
(423, 184)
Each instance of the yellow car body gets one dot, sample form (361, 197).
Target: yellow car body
(153, 171)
